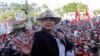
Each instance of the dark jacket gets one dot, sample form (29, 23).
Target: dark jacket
(44, 45)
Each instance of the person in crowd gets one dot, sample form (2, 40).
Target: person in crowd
(86, 51)
(47, 42)
(79, 51)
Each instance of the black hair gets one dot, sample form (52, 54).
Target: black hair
(95, 49)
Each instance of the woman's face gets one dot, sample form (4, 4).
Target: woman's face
(48, 24)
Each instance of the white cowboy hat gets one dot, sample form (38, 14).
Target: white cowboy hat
(49, 14)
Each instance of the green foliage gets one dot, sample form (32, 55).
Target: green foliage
(96, 11)
(16, 6)
(59, 11)
(72, 7)
(44, 6)
(4, 16)
(33, 10)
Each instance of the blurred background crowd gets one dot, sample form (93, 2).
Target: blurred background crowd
(79, 22)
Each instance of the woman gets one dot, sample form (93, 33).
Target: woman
(48, 42)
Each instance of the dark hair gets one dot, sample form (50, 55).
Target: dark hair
(95, 49)
(59, 30)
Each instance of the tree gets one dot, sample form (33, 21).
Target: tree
(96, 11)
(16, 6)
(4, 16)
(72, 7)
(59, 11)
(33, 10)
(44, 6)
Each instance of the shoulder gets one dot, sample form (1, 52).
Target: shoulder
(38, 33)
(38, 37)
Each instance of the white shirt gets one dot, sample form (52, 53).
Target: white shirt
(70, 53)
(61, 47)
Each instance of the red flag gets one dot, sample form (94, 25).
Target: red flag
(77, 15)
(87, 16)
(74, 21)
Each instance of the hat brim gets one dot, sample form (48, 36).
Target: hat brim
(57, 19)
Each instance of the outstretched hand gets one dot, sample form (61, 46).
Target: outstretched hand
(24, 47)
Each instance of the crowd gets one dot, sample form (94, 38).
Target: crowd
(85, 39)
(6, 45)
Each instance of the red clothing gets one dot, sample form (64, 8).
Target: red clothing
(78, 42)
(86, 54)
(79, 54)
(3, 39)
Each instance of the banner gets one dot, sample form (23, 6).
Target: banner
(29, 24)
(3, 28)
(6, 27)
(9, 26)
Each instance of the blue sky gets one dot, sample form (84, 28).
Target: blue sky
(92, 4)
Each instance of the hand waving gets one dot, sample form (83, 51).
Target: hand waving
(24, 47)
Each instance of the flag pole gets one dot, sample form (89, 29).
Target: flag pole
(78, 15)
(88, 17)
(91, 22)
